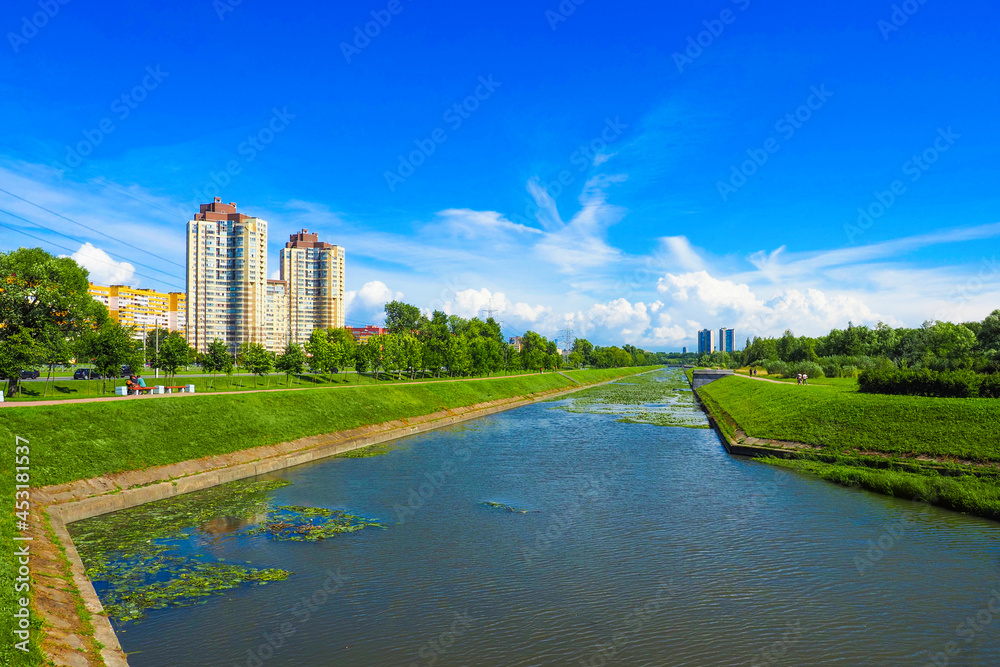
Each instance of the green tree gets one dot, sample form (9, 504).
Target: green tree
(256, 359)
(533, 351)
(321, 352)
(111, 346)
(217, 359)
(18, 351)
(401, 317)
(291, 362)
(343, 348)
(174, 353)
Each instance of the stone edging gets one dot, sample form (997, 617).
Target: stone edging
(82, 499)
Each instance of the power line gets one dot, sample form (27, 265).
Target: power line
(96, 231)
(39, 238)
(73, 238)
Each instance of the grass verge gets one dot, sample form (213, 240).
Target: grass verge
(903, 446)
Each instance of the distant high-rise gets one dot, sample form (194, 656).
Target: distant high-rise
(314, 273)
(684, 350)
(727, 340)
(226, 277)
(705, 343)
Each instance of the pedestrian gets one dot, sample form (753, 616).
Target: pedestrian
(805, 379)
(798, 378)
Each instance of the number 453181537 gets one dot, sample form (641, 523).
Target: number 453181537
(22, 476)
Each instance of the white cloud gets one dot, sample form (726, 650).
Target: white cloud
(103, 269)
(367, 305)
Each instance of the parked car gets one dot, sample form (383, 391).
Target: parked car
(126, 370)
(86, 374)
(30, 374)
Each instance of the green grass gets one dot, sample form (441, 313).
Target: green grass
(839, 418)
(71, 389)
(872, 440)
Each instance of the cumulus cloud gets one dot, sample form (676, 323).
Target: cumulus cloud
(103, 269)
(368, 303)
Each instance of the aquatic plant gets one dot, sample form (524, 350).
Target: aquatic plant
(308, 524)
(501, 506)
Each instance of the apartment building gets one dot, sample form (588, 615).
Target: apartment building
(226, 277)
(313, 271)
(705, 342)
(144, 309)
(276, 321)
(727, 340)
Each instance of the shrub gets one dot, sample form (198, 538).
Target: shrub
(810, 368)
(776, 367)
(926, 382)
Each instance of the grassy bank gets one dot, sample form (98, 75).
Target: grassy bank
(83, 440)
(904, 446)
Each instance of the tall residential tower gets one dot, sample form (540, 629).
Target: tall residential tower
(314, 273)
(226, 277)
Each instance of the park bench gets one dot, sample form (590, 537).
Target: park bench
(182, 387)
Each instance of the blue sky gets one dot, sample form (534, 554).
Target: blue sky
(589, 176)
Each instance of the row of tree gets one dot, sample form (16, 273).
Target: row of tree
(936, 346)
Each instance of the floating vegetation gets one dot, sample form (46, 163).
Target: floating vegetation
(308, 524)
(134, 556)
(661, 398)
(371, 450)
(501, 506)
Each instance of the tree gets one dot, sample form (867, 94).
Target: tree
(321, 352)
(533, 351)
(343, 348)
(38, 290)
(18, 351)
(256, 359)
(154, 339)
(401, 317)
(111, 346)
(585, 348)
(174, 353)
(291, 361)
(217, 359)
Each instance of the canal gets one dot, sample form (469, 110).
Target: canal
(550, 536)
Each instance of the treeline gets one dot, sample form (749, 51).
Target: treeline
(926, 382)
(417, 345)
(935, 346)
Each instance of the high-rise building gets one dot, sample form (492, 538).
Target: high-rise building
(276, 315)
(314, 273)
(684, 350)
(727, 340)
(144, 309)
(226, 276)
(705, 343)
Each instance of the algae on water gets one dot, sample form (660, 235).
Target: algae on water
(139, 558)
(662, 398)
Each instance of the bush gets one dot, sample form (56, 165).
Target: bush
(776, 367)
(925, 382)
(810, 368)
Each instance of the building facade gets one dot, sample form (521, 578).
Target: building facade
(276, 315)
(705, 342)
(226, 277)
(362, 334)
(313, 271)
(144, 309)
(727, 340)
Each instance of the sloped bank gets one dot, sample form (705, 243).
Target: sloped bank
(943, 451)
(143, 451)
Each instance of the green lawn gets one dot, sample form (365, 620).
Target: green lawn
(70, 389)
(839, 418)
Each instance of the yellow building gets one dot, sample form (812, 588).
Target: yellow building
(144, 309)
(276, 316)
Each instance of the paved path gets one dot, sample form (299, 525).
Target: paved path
(146, 397)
